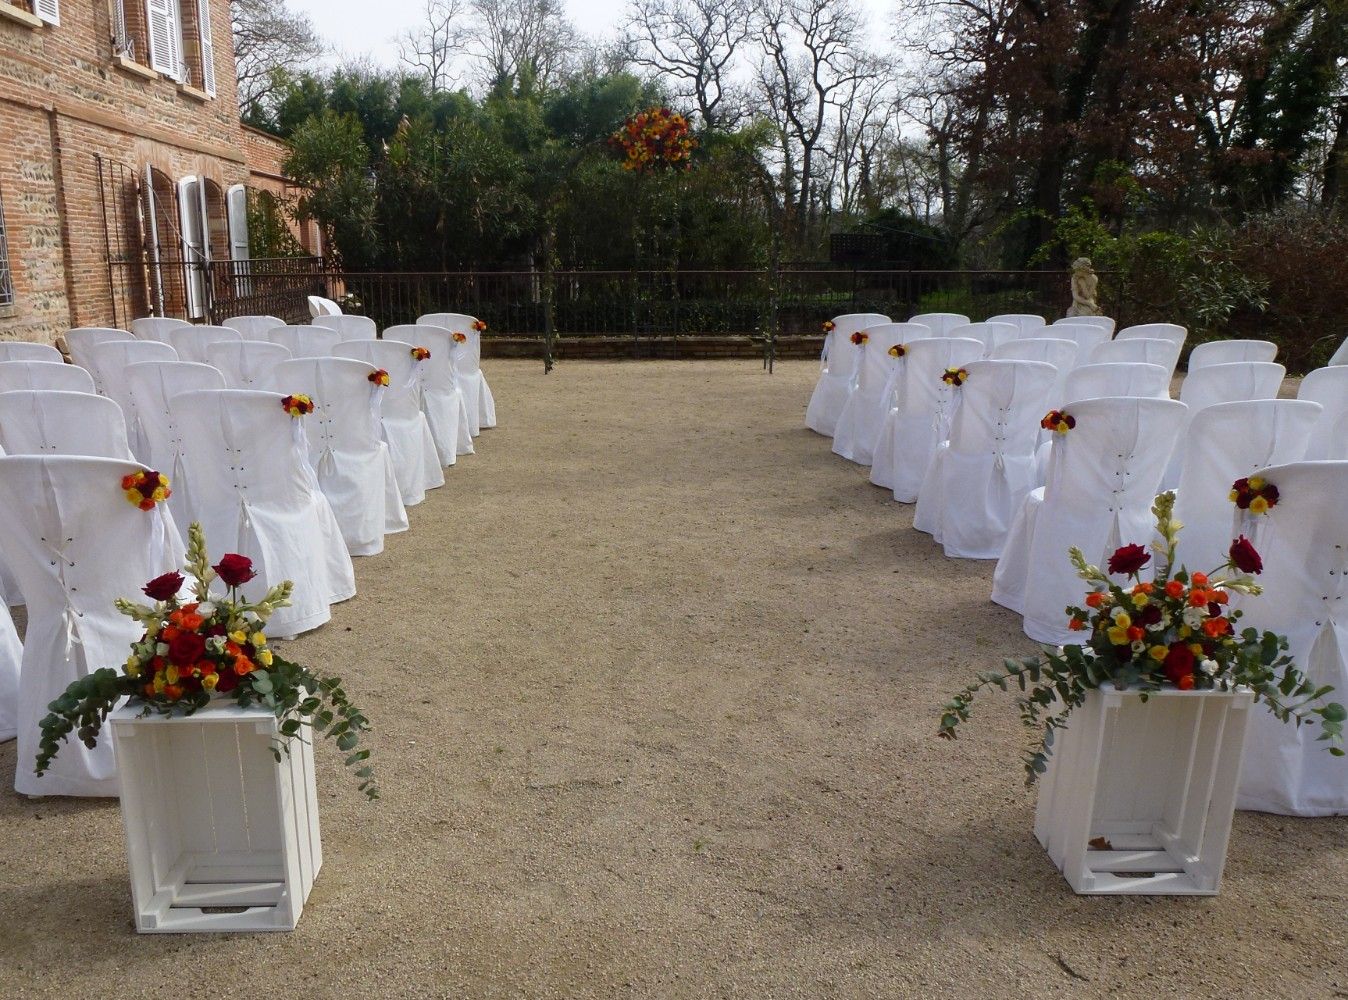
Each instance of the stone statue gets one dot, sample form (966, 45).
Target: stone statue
(1085, 285)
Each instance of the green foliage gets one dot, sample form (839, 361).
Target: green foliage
(268, 233)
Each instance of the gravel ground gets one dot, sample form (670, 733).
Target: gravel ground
(656, 680)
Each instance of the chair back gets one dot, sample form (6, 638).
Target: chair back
(1329, 388)
(993, 333)
(401, 398)
(19, 350)
(44, 375)
(156, 327)
(1172, 332)
(940, 324)
(346, 403)
(319, 306)
(1088, 336)
(877, 365)
(1139, 350)
(1058, 352)
(1231, 382)
(437, 371)
(1026, 324)
(47, 422)
(253, 327)
(305, 341)
(246, 364)
(80, 339)
(1103, 322)
(193, 342)
(1002, 404)
(922, 389)
(1221, 352)
(1117, 378)
(350, 327)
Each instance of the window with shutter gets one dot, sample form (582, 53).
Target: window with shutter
(48, 10)
(6, 284)
(161, 18)
(122, 45)
(236, 200)
(207, 46)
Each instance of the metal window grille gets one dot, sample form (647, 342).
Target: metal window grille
(6, 282)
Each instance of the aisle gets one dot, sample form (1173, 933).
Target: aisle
(655, 681)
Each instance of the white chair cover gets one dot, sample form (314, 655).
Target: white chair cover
(48, 422)
(1139, 350)
(406, 431)
(44, 375)
(979, 479)
(11, 656)
(1221, 352)
(346, 447)
(350, 327)
(193, 342)
(467, 360)
(920, 419)
(80, 339)
(1329, 388)
(1337, 449)
(1117, 378)
(872, 392)
(253, 327)
(1231, 441)
(1230, 382)
(442, 400)
(1060, 353)
(1303, 540)
(305, 341)
(156, 328)
(246, 364)
(152, 385)
(319, 306)
(1340, 357)
(109, 360)
(255, 493)
(19, 350)
(1103, 322)
(1087, 336)
(838, 365)
(1026, 324)
(76, 546)
(1172, 332)
(992, 334)
(940, 324)
(1102, 480)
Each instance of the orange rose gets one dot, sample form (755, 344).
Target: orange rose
(1185, 683)
(1076, 625)
(1220, 596)
(1135, 633)
(1199, 579)
(1214, 627)
(243, 666)
(1144, 588)
(1174, 589)
(1095, 598)
(173, 691)
(1198, 599)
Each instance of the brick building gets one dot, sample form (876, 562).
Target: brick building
(123, 165)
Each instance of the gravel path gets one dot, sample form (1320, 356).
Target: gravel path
(655, 678)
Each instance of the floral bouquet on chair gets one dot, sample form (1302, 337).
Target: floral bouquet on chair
(1172, 631)
(209, 646)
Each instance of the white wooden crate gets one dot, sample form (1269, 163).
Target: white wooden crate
(1156, 781)
(219, 836)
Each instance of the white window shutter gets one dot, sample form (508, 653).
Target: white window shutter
(48, 10)
(207, 46)
(237, 203)
(119, 33)
(161, 16)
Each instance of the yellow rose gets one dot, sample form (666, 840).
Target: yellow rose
(239, 637)
(1121, 618)
(264, 657)
(1258, 505)
(1118, 635)
(209, 681)
(1256, 483)
(171, 674)
(259, 639)
(1185, 631)
(1139, 600)
(159, 683)
(1158, 653)
(133, 667)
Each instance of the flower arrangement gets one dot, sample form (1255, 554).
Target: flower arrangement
(955, 376)
(655, 139)
(379, 377)
(297, 405)
(145, 489)
(459, 338)
(1172, 631)
(829, 326)
(420, 354)
(1255, 494)
(897, 351)
(1058, 421)
(860, 338)
(350, 302)
(210, 645)
(480, 326)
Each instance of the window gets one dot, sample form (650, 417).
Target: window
(172, 37)
(46, 11)
(6, 284)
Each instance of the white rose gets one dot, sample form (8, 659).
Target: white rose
(205, 609)
(1209, 667)
(1194, 617)
(1139, 647)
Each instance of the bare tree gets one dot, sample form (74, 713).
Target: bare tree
(270, 41)
(431, 49)
(694, 43)
(515, 39)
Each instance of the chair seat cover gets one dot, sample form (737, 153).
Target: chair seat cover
(153, 384)
(48, 422)
(872, 390)
(11, 656)
(247, 364)
(255, 493)
(441, 398)
(346, 449)
(77, 545)
(1102, 480)
(920, 419)
(406, 431)
(1230, 441)
(979, 479)
(838, 366)
(1303, 540)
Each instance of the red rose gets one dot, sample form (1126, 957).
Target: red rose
(1179, 664)
(1245, 557)
(186, 648)
(234, 569)
(1129, 559)
(1150, 615)
(228, 681)
(161, 588)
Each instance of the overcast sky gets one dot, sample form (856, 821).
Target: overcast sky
(362, 27)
